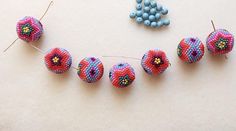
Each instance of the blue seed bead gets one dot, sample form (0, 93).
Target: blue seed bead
(159, 23)
(139, 1)
(166, 22)
(139, 13)
(146, 2)
(139, 6)
(159, 7)
(132, 14)
(145, 16)
(139, 20)
(164, 11)
(153, 11)
(158, 16)
(147, 22)
(153, 24)
(146, 9)
(151, 17)
(153, 4)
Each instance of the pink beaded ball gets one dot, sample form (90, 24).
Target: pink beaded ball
(29, 29)
(220, 42)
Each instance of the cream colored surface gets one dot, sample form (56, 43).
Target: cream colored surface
(198, 97)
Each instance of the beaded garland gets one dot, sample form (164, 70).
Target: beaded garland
(90, 69)
(150, 13)
(220, 42)
(154, 62)
(58, 60)
(29, 29)
(121, 75)
(190, 50)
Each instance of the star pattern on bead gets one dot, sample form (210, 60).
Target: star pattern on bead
(220, 42)
(26, 29)
(124, 81)
(121, 75)
(29, 29)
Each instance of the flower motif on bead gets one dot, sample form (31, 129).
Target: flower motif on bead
(26, 29)
(29, 29)
(154, 62)
(220, 42)
(124, 81)
(58, 60)
(121, 75)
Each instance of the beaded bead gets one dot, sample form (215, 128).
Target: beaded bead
(146, 2)
(139, 1)
(166, 22)
(164, 11)
(145, 16)
(220, 42)
(153, 24)
(29, 29)
(58, 60)
(139, 13)
(155, 62)
(158, 16)
(139, 20)
(151, 17)
(153, 11)
(190, 50)
(147, 22)
(139, 6)
(90, 69)
(132, 14)
(121, 75)
(146, 9)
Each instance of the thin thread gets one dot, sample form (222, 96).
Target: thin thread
(126, 57)
(11, 44)
(37, 49)
(213, 25)
(74, 67)
(46, 11)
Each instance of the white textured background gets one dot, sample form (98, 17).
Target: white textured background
(198, 97)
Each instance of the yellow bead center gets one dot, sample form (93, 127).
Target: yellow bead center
(125, 81)
(157, 61)
(26, 29)
(222, 44)
(55, 59)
